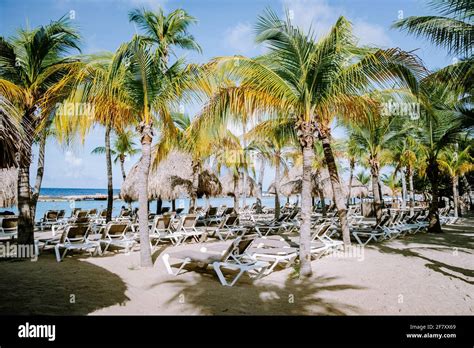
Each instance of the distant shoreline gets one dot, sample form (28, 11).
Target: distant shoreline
(97, 197)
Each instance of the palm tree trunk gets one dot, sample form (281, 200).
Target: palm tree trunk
(196, 169)
(260, 184)
(277, 185)
(375, 171)
(124, 176)
(236, 192)
(455, 196)
(336, 188)
(433, 216)
(351, 175)
(39, 174)
(159, 205)
(305, 230)
(244, 181)
(320, 191)
(404, 188)
(146, 134)
(25, 218)
(412, 191)
(108, 160)
(122, 167)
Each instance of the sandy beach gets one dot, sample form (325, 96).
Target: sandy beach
(430, 274)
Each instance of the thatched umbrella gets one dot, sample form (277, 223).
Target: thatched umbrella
(292, 183)
(8, 187)
(358, 189)
(386, 191)
(235, 188)
(227, 181)
(171, 179)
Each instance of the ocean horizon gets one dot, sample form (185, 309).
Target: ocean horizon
(68, 206)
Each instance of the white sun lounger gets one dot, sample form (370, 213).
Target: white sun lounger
(233, 257)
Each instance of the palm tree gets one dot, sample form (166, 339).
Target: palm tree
(456, 163)
(153, 86)
(376, 135)
(11, 134)
(440, 127)
(200, 145)
(31, 65)
(99, 81)
(231, 154)
(354, 154)
(404, 156)
(452, 29)
(393, 182)
(364, 178)
(269, 140)
(165, 31)
(123, 147)
(310, 82)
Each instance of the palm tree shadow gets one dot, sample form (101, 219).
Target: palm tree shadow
(46, 287)
(433, 242)
(247, 297)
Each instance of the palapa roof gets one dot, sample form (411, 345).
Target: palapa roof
(252, 189)
(292, 182)
(8, 187)
(358, 189)
(171, 179)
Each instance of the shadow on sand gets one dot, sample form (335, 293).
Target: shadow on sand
(289, 297)
(458, 240)
(46, 287)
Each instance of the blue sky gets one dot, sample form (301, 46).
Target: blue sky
(225, 27)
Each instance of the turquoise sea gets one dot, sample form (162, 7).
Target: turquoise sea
(69, 205)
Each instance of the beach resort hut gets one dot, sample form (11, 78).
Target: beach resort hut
(170, 180)
(292, 182)
(233, 187)
(8, 187)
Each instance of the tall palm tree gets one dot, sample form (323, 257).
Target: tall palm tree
(310, 82)
(354, 154)
(376, 134)
(165, 31)
(269, 139)
(154, 85)
(123, 146)
(456, 163)
(440, 126)
(99, 81)
(231, 153)
(31, 65)
(392, 181)
(404, 156)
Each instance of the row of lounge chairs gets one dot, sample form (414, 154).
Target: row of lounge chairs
(251, 242)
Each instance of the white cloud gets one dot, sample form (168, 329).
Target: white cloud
(320, 16)
(241, 38)
(316, 15)
(371, 34)
(74, 165)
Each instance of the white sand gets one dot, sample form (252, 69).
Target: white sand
(421, 274)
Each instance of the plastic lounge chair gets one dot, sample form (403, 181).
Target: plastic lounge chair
(377, 233)
(232, 257)
(227, 227)
(187, 229)
(74, 237)
(114, 234)
(161, 229)
(9, 227)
